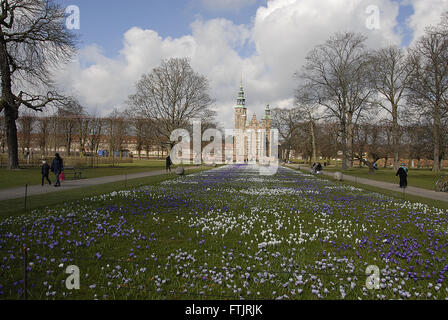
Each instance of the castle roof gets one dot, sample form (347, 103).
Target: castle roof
(241, 101)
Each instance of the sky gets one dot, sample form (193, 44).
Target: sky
(263, 41)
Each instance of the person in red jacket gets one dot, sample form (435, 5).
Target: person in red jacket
(57, 167)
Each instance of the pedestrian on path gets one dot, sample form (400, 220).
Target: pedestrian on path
(403, 173)
(45, 169)
(57, 167)
(168, 164)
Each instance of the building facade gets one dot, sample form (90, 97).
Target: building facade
(251, 137)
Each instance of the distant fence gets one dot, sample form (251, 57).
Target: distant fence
(36, 161)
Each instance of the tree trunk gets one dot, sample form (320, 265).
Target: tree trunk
(313, 141)
(349, 140)
(288, 150)
(11, 111)
(11, 137)
(344, 146)
(395, 136)
(436, 137)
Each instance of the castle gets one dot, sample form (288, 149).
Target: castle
(251, 132)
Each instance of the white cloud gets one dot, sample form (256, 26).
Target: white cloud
(426, 13)
(282, 33)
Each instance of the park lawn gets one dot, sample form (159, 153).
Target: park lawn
(32, 176)
(229, 233)
(420, 178)
(16, 207)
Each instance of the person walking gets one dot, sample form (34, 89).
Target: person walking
(313, 168)
(57, 167)
(45, 169)
(403, 173)
(168, 164)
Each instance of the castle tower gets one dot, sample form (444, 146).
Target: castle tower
(267, 124)
(240, 109)
(267, 118)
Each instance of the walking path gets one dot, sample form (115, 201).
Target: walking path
(14, 193)
(441, 196)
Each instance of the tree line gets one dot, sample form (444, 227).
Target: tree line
(356, 99)
(75, 131)
(382, 103)
(34, 42)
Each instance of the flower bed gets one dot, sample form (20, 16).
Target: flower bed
(229, 233)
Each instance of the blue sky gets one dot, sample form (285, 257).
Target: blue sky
(265, 41)
(103, 22)
(406, 10)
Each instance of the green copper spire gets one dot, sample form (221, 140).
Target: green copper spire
(267, 113)
(241, 101)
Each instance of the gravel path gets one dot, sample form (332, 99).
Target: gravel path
(412, 191)
(19, 192)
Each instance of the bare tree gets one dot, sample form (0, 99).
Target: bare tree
(95, 130)
(139, 127)
(390, 77)
(373, 143)
(82, 120)
(54, 140)
(288, 122)
(116, 131)
(68, 120)
(311, 113)
(172, 95)
(328, 139)
(336, 74)
(33, 40)
(43, 124)
(26, 123)
(429, 80)
(2, 134)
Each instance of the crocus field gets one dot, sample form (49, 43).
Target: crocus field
(229, 233)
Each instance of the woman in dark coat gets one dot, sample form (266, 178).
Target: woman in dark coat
(45, 169)
(168, 163)
(403, 173)
(57, 166)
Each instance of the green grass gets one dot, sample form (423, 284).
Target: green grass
(32, 176)
(199, 237)
(16, 207)
(389, 193)
(420, 178)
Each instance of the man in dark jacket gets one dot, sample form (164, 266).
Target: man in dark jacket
(57, 166)
(45, 169)
(168, 163)
(403, 173)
